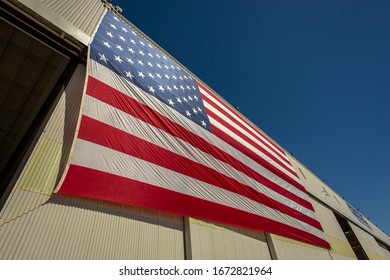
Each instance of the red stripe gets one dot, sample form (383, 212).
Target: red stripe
(270, 145)
(90, 183)
(130, 106)
(247, 139)
(102, 134)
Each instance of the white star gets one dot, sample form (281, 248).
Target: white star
(150, 75)
(103, 57)
(124, 29)
(182, 88)
(173, 67)
(166, 76)
(141, 52)
(135, 33)
(189, 97)
(193, 87)
(190, 77)
(158, 55)
(151, 89)
(130, 61)
(188, 113)
(173, 76)
(166, 67)
(158, 75)
(129, 75)
(158, 65)
(165, 57)
(140, 62)
(142, 43)
(150, 54)
(188, 88)
(150, 46)
(150, 64)
(171, 102)
(196, 98)
(116, 18)
(109, 34)
(199, 109)
(131, 50)
(179, 100)
(204, 123)
(133, 41)
(141, 74)
(185, 77)
(160, 87)
(185, 99)
(119, 47)
(106, 44)
(122, 38)
(181, 78)
(169, 88)
(175, 87)
(194, 110)
(118, 58)
(113, 26)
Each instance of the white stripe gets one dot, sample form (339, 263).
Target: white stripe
(114, 117)
(110, 78)
(101, 158)
(223, 107)
(239, 128)
(253, 149)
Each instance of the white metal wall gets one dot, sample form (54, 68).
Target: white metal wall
(210, 241)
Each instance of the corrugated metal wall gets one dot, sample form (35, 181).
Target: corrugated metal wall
(76, 18)
(210, 241)
(370, 245)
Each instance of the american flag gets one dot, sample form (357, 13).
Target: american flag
(153, 136)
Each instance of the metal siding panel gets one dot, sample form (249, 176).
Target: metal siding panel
(79, 19)
(78, 228)
(369, 244)
(85, 15)
(332, 230)
(288, 249)
(214, 241)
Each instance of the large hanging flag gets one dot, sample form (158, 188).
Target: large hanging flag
(153, 136)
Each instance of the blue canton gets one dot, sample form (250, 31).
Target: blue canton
(120, 48)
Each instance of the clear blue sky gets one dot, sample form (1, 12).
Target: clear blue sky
(313, 75)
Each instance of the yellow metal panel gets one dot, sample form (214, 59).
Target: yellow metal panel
(42, 171)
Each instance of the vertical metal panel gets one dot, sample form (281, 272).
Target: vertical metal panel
(369, 244)
(340, 247)
(288, 249)
(212, 241)
(78, 228)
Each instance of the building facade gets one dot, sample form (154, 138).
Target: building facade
(43, 66)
